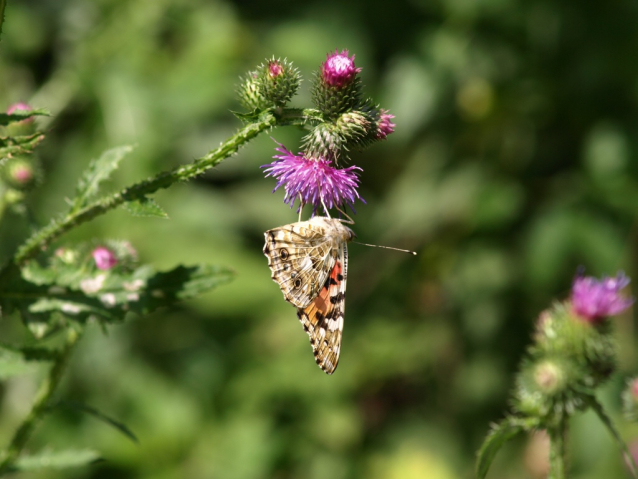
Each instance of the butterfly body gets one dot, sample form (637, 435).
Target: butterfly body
(309, 262)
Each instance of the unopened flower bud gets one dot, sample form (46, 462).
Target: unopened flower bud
(20, 173)
(336, 88)
(104, 258)
(272, 84)
(384, 124)
(549, 377)
(338, 70)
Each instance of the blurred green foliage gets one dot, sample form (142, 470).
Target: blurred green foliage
(513, 163)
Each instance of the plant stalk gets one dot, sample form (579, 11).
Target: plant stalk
(40, 405)
(44, 236)
(557, 449)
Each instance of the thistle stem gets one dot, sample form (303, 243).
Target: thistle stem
(40, 405)
(557, 449)
(44, 236)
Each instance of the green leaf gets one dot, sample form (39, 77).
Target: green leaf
(101, 416)
(496, 438)
(108, 295)
(56, 460)
(602, 415)
(98, 171)
(20, 115)
(249, 117)
(19, 145)
(145, 207)
(12, 363)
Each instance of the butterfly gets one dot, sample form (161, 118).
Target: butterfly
(309, 262)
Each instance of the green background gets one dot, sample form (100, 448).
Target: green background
(513, 163)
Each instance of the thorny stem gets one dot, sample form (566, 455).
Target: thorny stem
(42, 238)
(557, 448)
(40, 405)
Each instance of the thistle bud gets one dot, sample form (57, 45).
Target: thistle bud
(384, 124)
(20, 173)
(337, 87)
(104, 258)
(272, 84)
(350, 129)
(549, 377)
(249, 92)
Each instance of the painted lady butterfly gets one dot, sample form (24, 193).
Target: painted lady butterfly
(309, 262)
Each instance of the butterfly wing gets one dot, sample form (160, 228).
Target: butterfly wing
(300, 257)
(323, 318)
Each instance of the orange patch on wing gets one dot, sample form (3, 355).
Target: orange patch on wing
(331, 288)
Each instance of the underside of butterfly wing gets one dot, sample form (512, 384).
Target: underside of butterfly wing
(300, 257)
(323, 318)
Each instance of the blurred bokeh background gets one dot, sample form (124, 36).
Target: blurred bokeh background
(513, 163)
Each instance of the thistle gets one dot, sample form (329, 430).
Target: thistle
(313, 181)
(572, 355)
(343, 120)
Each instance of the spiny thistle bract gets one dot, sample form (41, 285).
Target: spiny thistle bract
(343, 120)
(573, 353)
(273, 84)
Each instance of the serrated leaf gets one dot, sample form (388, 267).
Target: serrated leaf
(98, 171)
(56, 460)
(102, 417)
(20, 115)
(249, 117)
(496, 438)
(19, 145)
(606, 420)
(107, 295)
(145, 207)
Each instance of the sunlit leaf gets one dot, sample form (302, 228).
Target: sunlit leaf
(56, 460)
(98, 171)
(146, 207)
(109, 296)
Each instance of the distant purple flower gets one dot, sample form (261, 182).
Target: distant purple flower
(338, 69)
(315, 180)
(384, 125)
(104, 258)
(594, 299)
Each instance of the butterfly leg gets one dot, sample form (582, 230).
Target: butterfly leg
(349, 220)
(301, 205)
(325, 208)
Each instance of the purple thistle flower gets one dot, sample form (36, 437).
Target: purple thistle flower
(594, 299)
(338, 69)
(384, 125)
(104, 258)
(313, 181)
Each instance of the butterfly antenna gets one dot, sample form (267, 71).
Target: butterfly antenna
(387, 247)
